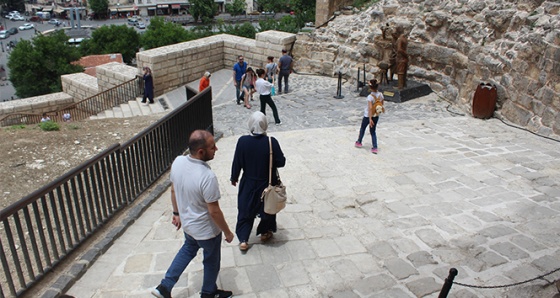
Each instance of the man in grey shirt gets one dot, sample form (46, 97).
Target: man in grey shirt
(194, 195)
(285, 66)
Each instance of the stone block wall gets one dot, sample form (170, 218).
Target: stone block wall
(37, 104)
(79, 85)
(113, 74)
(176, 65)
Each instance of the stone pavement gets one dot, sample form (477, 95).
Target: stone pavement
(446, 190)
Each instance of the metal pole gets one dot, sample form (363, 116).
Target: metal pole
(365, 83)
(358, 81)
(448, 283)
(339, 87)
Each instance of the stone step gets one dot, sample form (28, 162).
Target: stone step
(133, 108)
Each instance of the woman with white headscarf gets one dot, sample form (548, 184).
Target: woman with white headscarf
(252, 156)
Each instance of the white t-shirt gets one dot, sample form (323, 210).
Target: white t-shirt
(195, 185)
(263, 87)
(371, 98)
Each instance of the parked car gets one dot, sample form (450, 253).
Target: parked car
(141, 25)
(54, 22)
(18, 18)
(75, 41)
(4, 34)
(132, 22)
(13, 31)
(26, 26)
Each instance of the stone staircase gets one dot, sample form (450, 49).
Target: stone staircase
(134, 108)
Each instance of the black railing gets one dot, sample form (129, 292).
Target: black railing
(40, 230)
(85, 108)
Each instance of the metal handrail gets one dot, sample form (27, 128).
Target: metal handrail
(40, 230)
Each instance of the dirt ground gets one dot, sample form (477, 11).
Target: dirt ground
(32, 157)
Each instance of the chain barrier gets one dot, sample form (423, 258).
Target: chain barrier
(508, 285)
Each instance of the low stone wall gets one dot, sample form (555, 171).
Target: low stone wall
(173, 66)
(176, 65)
(36, 105)
(113, 74)
(79, 85)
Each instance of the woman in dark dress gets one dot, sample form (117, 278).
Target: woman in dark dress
(252, 156)
(148, 85)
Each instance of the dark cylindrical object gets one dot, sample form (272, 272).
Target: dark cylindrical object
(448, 283)
(357, 81)
(339, 87)
(484, 101)
(365, 83)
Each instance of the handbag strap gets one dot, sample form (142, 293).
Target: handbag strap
(270, 162)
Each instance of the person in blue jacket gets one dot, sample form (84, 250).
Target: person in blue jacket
(252, 156)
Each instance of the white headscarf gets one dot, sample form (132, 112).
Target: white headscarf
(258, 124)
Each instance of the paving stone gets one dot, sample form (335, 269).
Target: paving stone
(325, 248)
(263, 277)
(509, 250)
(421, 258)
(373, 283)
(496, 231)
(350, 244)
(424, 286)
(293, 274)
(526, 243)
(432, 238)
(138, 263)
(399, 268)
(382, 250)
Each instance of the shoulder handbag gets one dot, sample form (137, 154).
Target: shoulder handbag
(273, 197)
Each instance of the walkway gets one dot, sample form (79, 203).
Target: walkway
(445, 190)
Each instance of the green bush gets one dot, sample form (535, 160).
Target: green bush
(15, 127)
(49, 126)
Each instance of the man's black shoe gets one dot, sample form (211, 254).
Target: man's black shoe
(161, 292)
(218, 294)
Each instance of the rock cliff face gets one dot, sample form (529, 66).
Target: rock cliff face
(454, 46)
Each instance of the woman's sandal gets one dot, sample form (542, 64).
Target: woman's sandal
(266, 236)
(248, 106)
(243, 246)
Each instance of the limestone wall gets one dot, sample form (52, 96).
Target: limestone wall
(455, 45)
(176, 65)
(79, 85)
(112, 74)
(36, 105)
(325, 9)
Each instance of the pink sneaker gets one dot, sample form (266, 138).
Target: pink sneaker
(374, 150)
(358, 145)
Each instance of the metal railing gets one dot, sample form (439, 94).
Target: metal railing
(41, 229)
(85, 108)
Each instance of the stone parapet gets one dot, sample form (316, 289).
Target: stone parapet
(79, 85)
(37, 104)
(113, 74)
(176, 65)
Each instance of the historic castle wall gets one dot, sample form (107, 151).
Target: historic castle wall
(453, 46)
(173, 66)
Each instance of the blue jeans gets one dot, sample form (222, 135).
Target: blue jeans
(237, 90)
(211, 250)
(365, 123)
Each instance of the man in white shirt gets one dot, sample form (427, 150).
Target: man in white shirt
(194, 195)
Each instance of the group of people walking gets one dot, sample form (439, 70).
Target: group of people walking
(247, 81)
(195, 196)
(195, 191)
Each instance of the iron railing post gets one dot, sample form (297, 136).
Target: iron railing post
(448, 283)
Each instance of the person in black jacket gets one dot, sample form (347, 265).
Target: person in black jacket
(252, 156)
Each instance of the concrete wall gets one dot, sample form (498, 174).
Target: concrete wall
(112, 74)
(79, 85)
(36, 105)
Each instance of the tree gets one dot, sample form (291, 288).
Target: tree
(36, 65)
(113, 39)
(99, 7)
(8, 5)
(204, 10)
(161, 33)
(237, 7)
(244, 30)
(304, 11)
(273, 5)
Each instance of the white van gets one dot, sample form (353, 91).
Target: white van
(75, 41)
(45, 15)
